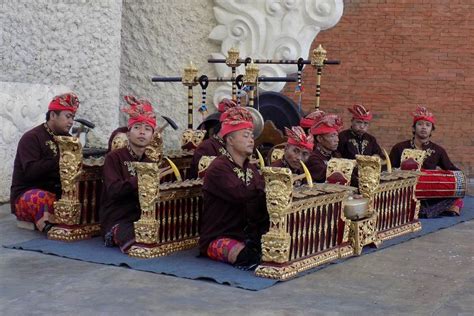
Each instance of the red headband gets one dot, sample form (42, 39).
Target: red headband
(235, 119)
(359, 112)
(422, 113)
(327, 124)
(297, 137)
(140, 111)
(64, 102)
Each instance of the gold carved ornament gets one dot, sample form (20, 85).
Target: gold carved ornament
(146, 228)
(278, 189)
(154, 150)
(120, 141)
(416, 154)
(68, 209)
(369, 168)
(342, 166)
(204, 163)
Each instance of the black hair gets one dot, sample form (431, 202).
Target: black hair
(48, 114)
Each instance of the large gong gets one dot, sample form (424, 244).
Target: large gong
(278, 108)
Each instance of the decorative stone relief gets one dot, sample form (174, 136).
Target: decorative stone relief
(270, 29)
(23, 106)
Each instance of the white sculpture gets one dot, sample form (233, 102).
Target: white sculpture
(270, 29)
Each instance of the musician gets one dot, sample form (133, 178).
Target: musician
(36, 183)
(213, 146)
(356, 140)
(326, 129)
(234, 214)
(120, 204)
(436, 158)
(298, 148)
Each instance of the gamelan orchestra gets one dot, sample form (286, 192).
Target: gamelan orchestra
(258, 184)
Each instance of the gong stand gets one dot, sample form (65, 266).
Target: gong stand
(318, 61)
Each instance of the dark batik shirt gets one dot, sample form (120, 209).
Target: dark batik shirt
(317, 163)
(351, 144)
(120, 202)
(234, 203)
(436, 156)
(36, 164)
(282, 163)
(213, 146)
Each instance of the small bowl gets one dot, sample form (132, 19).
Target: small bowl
(355, 209)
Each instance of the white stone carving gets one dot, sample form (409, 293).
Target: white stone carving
(22, 107)
(270, 29)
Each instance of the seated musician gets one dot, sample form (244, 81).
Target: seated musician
(326, 131)
(436, 158)
(36, 183)
(355, 140)
(298, 148)
(120, 204)
(234, 214)
(214, 145)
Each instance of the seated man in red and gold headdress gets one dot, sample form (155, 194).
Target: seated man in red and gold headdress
(214, 145)
(435, 158)
(120, 204)
(356, 140)
(234, 214)
(36, 183)
(298, 148)
(326, 131)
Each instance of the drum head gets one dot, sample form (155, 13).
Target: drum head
(278, 108)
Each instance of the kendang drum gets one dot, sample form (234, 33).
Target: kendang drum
(435, 184)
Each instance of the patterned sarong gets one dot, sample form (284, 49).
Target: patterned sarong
(36, 206)
(225, 250)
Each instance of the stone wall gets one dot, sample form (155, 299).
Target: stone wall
(50, 43)
(160, 38)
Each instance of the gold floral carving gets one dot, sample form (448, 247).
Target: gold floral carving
(68, 209)
(120, 141)
(416, 154)
(154, 150)
(144, 252)
(232, 57)
(318, 56)
(251, 74)
(341, 165)
(146, 228)
(195, 137)
(369, 168)
(363, 232)
(189, 75)
(205, 162)
(74, 233)
(277, 154)
(278, 189)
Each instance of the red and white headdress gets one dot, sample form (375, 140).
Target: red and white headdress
(359, 112)
(235, 119)
(140, 111)
(327, 123)
(311, 118)
(422, 113)
(64, 102)
(297, 137)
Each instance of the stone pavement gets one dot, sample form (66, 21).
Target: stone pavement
(431, 275)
